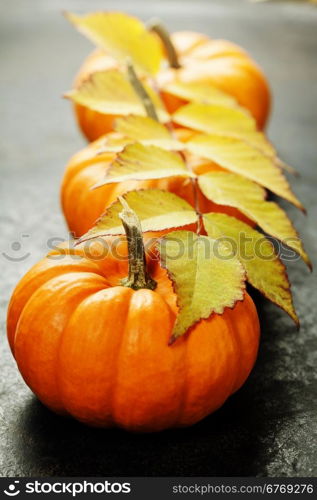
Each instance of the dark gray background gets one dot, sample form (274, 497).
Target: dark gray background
(270, 426)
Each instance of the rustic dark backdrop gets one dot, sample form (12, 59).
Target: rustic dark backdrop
(270, 426)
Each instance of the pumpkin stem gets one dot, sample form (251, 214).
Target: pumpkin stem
(141, 92)
(138, 276)
(158, 28)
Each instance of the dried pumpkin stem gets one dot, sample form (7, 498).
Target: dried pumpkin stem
(141, 92)
(138, 276)
(158, 28)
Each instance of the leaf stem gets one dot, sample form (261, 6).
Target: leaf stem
(138, 276)
(158, 28)
(141, 92)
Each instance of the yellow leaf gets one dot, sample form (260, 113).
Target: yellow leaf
(156, 209)
(109, 92)
(111, 143)
(236, 191)
(201, 92)
(237, 156)
(222, 120)
(147, 131)
(264, 269)
(205, 280)
(121, 36)
(139, 162)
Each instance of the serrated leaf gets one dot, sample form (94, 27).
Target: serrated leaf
(156, 209)
(205, 280)
(139, 162)
(110, 92)
(201, 92)
(264, 269)
(111, 143)
(239, 157)
(236, 191)
(147, 131)
(223, 120)
(121, 36)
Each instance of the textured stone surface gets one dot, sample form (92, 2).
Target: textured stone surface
(270, 426)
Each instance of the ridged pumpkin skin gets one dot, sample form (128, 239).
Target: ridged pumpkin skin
(220, 62)
(98, 351)
(82, 206)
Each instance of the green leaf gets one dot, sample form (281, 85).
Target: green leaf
(236, 191)
(205, 279)
(110, 92)
(223, 120)
(121, 36)
(156, 209)
(147, 131)
(264, 269)
(139, 162)
(237, 156)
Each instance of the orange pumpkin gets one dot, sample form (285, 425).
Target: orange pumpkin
(219, 62)
(82, 206)
(94, 349)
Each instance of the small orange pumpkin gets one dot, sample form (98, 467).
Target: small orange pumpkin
(82, 206)
(94, 349)
(219, 62)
